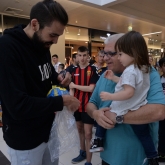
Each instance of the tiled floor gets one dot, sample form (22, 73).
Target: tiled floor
(65, 159)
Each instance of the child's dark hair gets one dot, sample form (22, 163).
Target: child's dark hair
(133, 44)
(162, 61)
(62, 66)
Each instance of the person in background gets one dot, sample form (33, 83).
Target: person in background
(61, 67)
(121, 145)
(84, 78)
(91, 60)
(100, 64)
(27, 75)
(74, 63)
(151, 60)
(161, 144)
(55, 62)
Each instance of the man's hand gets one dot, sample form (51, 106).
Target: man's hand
(71, 102)
(111, 116)
(65, 81)
(105, 96)
(71, 85)
(101, 119)
(109, 75)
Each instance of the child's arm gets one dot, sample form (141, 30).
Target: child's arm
(89, 88)
(71, 91)
(110, 75)
(125, 94)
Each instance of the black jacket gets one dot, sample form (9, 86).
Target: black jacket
(26, 74)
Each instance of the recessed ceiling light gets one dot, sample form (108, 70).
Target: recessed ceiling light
(129, 28)
(151, 33)
(86, 42)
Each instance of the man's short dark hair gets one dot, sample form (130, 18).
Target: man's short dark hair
(162, 61)
(74, 55)
(55, 55)
(83, 49)
(47, 11)
(62, 66)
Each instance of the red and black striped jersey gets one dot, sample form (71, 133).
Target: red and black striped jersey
(84, 77)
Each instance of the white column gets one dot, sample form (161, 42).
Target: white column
(59, 49)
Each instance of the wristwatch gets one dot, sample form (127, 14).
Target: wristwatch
(119, 119)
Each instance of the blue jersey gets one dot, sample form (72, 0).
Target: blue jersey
(121, 145)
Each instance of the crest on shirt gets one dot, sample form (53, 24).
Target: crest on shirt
(88, 73)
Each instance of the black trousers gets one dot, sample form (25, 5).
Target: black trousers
(104, 163)
(161, 146)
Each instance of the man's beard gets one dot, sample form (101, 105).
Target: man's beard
(37, 40)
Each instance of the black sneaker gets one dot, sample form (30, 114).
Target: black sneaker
(97, 145)
(153, 161)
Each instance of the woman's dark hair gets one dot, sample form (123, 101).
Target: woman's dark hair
(47, 11)
(133, 44)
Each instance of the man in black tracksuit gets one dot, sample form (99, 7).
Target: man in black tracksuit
(26, 76)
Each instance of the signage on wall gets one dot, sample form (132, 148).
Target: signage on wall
(99, 35)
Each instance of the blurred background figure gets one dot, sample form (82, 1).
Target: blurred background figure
(61, 67)
(161, 144)
(100, 64)
(151, 60)
(55, 62)
(91, 60)
(74, 63)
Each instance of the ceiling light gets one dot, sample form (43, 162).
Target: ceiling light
(78, 32)
(86, 42)
(151, 33)
(129, 28)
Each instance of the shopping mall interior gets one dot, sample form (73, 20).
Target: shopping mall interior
(90, 22)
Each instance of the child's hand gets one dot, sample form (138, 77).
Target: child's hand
(109, 74)
(105, 96)
(71, 85)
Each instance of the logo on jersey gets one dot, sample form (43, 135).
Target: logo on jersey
(88, 73)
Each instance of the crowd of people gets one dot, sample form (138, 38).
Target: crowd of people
(121, 92)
